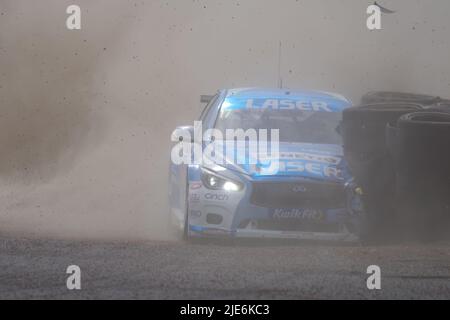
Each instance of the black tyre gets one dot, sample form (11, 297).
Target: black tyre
(423, 174)
(367, 154)
(427, 122)
(392, 96)
(441, 107)
(424, 141)
(392, 141)
(365, 146)
(363, 127)
(175, 231)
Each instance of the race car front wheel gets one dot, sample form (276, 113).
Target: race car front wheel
(178, 217)
(181, 234)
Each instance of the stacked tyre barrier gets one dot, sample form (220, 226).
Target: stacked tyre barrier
(420, 145)
(440, 107)
(371, 163)
(401, 97)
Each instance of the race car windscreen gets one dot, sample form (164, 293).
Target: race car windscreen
(294, 125)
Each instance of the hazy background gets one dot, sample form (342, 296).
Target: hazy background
(85, 116)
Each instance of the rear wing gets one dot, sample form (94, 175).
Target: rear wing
(206, 98)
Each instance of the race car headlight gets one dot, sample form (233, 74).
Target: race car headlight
(213, 181)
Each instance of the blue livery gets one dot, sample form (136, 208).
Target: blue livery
(303, 196)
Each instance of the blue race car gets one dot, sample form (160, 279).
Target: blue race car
(306, 197)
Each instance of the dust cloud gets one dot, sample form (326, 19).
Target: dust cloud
(85, 116)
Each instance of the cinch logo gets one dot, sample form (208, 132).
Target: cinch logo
(218, 197)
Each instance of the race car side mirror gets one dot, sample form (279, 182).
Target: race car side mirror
(204, 98)
(183, 133)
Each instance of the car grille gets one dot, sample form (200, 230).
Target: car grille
(310, 194)
(296, 225)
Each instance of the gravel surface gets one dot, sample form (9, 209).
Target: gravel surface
(36, 269)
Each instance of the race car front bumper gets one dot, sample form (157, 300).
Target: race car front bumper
(214, 213)
(202, 231)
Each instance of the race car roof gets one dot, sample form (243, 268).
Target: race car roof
(238, 96)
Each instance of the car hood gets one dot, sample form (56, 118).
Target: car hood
(307, 160)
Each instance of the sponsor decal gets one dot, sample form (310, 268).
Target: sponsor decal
(216, 196)
(195, 213)
(299, 167)
(302, 214)
(195, 185)
(194, 197)
(301, 103)
(286, 104)
(327, 159)
(299, 188)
